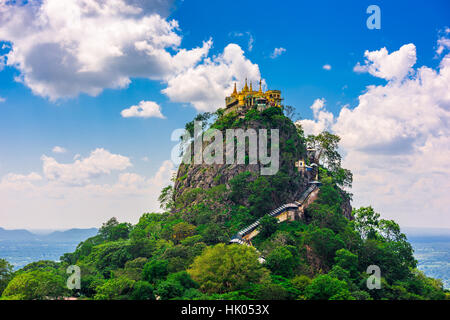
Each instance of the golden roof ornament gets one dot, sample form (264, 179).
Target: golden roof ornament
(247, 98)
(245, 87)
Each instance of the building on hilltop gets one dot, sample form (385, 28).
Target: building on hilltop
(248, 98)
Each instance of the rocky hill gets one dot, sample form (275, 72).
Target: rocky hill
(185, 252)
(287, 185)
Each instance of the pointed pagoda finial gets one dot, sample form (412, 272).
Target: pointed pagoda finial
(235, 90)
(245, 86)
(251, 87)
(260, 87)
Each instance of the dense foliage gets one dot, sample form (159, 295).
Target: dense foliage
(183, 252)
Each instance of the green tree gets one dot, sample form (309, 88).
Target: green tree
(270, 291)
(366, 222)
(36, 285)
(282, 262)
(348, 261)
(182, 230)
(142, 290)
(325, 287)
(114, 289)
(289, 111)
(166, 198)
(261, 192)
(175, 285)
(301, 282)
(325, 145)
(268, 226)
(6, 272)
(342, 177)
(109, 256)
(112, 230)
(212, 233)
(169, 289)
(107, 227)
(154, 270)
(201, 117)
(239, 186)
(226, 268)
(325, 243)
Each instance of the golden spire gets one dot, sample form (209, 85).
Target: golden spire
(234, 91)
(245, 87)
(260, 88)
(251, 88)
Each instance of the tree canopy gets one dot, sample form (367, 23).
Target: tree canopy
(184, 252)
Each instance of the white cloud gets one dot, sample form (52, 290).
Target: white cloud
(323, 120)
(63, 48)
(277, 52)
(394, 66)
(206, 84)
(58, 149)
(326, 67)
(251, 40)
(12, 177)
(145, 109)
(54, 203)
(20, 182)
(135, 185)
(164, 174)
(396, 141)
(81, 171)
(2, 99)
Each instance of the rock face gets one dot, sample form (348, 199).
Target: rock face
(347, 208)
(291, 146)
(207, 176)
(291, 149)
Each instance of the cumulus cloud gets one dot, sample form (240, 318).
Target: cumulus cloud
(135, 185)
(394, 66)
(322, 119)
(145, 109)
(326, 67)
(81, 171)
(397, 139)
(63, 48)
(277, 52)
(58, 149)
(205, 85)
(20, 182)
(68, 195)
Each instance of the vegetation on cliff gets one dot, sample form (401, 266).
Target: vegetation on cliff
(183, 253)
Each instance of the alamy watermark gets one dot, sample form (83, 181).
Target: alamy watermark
(374, 20)
(374, 280)
(74, 280)
(210, 147)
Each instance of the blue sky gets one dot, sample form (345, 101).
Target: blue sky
(37, 115)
